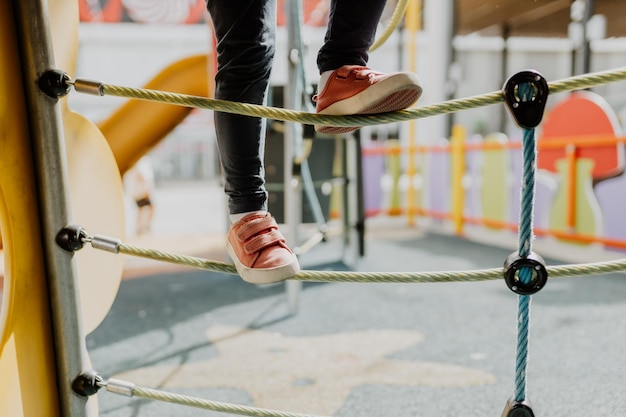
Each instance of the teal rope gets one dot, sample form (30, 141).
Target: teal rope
(525, 274)
(529, 152)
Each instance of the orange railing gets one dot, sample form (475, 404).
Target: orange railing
(458, 149)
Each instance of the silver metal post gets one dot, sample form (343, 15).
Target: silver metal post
(352, 198)
(52, 180)
(293, 141)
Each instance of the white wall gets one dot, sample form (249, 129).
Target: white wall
(130, 54)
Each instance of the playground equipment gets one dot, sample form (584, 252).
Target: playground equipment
(525, 272)
(136, 127)
(43, 328)
(581, 159)
(76, 165)
(34, 327)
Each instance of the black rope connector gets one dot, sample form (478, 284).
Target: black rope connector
(55, 83)
(514, 263)
(87, 383)
(71, 238)
(517, 409)
(525, 96)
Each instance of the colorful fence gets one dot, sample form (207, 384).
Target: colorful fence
(581, 185)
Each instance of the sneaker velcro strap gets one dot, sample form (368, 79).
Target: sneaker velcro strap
(262, 241)
(356, 72)
(349, 70)
(255, 227)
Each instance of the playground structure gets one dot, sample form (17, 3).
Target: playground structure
(77, 163)
(131, 134)
(467, 181)
(27, 354)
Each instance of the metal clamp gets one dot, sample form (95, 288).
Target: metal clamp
(525, 96)
(517, 409)
(88, 86)
(120, 387)
(514, 263)
(106, 243)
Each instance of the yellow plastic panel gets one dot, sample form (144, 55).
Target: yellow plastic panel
(26, 343)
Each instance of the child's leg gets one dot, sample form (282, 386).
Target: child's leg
(245, 32)
(351, 31)
(347, 85)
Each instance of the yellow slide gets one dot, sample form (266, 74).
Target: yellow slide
(137, 126)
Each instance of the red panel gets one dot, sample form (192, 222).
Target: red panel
(583, 114)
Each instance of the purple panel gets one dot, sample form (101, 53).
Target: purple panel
(373, 171)
(516, 184)
(473, 161)
(544, 194)
(438, 178)
(611, 195)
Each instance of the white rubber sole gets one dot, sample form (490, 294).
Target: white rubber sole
(394, 93)
(263, 275)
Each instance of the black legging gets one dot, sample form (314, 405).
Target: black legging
(246, 32)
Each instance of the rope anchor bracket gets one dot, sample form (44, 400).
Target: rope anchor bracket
(55, 83)
(525, 96)
(517, 409)
(514, 263)
(72, 238)
(87, 383)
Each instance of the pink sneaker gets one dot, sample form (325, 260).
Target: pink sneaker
(259, 251)
(353, 89)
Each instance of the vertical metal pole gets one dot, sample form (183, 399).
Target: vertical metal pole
(506, 34)
(581, 54)
(52, 180)
(360, 197)
(26, 340)
(586, 58)
(292, 142)
(351, 158)
(438, 23)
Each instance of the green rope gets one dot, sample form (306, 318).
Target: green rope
(450, 106)
(195, 402)
(559, 271)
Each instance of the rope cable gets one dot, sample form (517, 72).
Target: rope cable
(529, 151)
(568, 84)
(558, 271)
(526, 215)
(222, 407)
